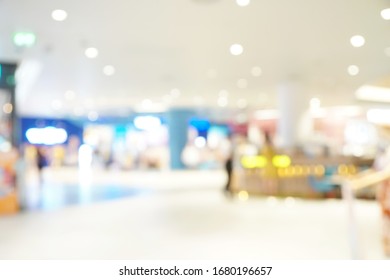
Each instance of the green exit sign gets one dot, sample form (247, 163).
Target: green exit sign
(24, 39)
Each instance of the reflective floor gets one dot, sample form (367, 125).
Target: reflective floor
(176, 215)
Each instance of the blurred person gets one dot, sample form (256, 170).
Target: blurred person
(229, 162)
(41, 161)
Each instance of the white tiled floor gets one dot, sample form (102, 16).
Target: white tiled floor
(184, 215)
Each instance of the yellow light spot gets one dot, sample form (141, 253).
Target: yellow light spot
(293, 171)
(272, 201)
(243, 195)
(306, 170)
(253, 161)
(299, 170)
(7, 108)
(342, 169)
(319, 170)
(288, 172)
(281, 161)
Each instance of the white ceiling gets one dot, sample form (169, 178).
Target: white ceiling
(158, 45)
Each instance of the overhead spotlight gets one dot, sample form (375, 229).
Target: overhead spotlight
(357, 41)
(242, 83)
(222, 101)
(175, 93)
(353, 70)
(70, 94)
(91, 52)
(109, 70)
(256, 71)
(243, 3)
(223, 93)
(236, 49)
(385, 13)
(59, 15)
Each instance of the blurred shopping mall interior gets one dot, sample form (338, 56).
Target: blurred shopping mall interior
(193, 129)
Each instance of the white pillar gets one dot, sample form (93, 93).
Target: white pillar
(292, 104)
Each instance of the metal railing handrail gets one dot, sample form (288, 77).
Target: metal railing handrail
(367, 178)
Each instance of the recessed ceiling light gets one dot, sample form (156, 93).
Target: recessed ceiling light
(236, 49)
(256, 71)
(387, 51)
(242, 83)
(385, 13)
(69, 94)
(109, 70)
(222, 101)
(353, 70)
(243, 3)
(242, 103)
(175, 93)
(223, 93)
(91, 52)
(59, 15)
(357, 41)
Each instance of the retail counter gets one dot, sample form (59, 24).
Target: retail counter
(295, 175)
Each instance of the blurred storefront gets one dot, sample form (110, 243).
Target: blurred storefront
(60, 138)
(8, 139)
